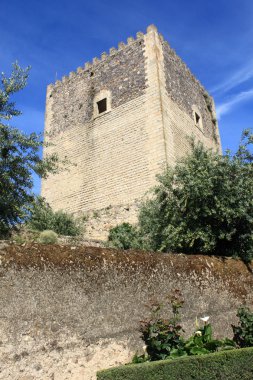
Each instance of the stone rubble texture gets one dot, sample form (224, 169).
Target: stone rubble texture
(116, 156)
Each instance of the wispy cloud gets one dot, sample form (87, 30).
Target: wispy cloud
(226, 107)
(240, 76)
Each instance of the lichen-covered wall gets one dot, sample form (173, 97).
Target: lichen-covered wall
(67, 311)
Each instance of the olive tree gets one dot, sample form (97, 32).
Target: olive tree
(19, 155)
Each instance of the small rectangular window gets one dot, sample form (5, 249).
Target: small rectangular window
(102, 105)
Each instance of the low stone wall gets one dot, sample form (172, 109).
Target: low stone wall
(67, 311)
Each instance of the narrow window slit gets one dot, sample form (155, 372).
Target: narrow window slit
(197, 119)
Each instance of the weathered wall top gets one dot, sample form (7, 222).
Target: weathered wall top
(89, 66)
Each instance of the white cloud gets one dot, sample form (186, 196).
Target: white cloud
(237, 78)
(226, 107)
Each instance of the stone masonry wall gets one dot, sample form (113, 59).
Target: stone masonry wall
(182, 93)
(108, 152)
(186, 91)
(116, 156)
(122, 73)
(67, 311)
(99, 222)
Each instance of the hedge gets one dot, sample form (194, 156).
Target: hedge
(225, 365)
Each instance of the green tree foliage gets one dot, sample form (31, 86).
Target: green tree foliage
(42, 217)
(19, 156)
(204, 204)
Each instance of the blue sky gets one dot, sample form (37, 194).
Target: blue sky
(213, 37)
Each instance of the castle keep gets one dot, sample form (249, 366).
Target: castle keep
(120, 120)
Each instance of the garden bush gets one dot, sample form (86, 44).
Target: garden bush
(47, 237)
(42, 217)
(225, 365)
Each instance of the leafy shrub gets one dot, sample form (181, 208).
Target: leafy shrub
(48, 237)
(42, 217)
(204, 204)
(202, 342)
(65, 224)
(123, 236)
(160, 335)
(243, 334)
(163, 337)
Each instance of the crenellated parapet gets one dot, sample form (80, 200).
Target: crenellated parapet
(104, 56)
(90, 66)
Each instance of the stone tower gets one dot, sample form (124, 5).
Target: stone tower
(121, 120)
